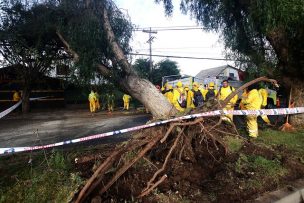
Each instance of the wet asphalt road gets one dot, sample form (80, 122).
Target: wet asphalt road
(60, 125)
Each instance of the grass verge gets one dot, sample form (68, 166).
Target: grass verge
(293, 141)
(38, 178)
(259, 170)
(234, 143)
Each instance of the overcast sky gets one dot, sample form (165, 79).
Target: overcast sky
(189, 43)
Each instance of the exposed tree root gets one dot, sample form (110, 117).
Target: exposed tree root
(148, 190)
(96, 178)
(150, 183)
(126, 166)
(180, 138)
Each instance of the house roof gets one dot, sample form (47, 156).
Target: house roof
(212, 72)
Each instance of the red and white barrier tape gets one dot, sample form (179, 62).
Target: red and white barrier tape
(12, 108)
(281, 111)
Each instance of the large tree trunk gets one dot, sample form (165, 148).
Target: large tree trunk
(146, 93)
(297, 100)
(26, 99)
(139, 88)
(290, 65)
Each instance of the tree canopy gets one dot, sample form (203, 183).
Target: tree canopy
(80, 24)
(28, 40)
(268, 33)
(163, 68)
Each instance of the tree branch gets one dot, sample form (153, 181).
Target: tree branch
(68, 47)
(119, 55)
(104, 70)
(230, 96)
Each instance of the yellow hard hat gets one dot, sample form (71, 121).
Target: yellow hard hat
(170, 87)
(196, 84)
(211, 84)
(179, 84)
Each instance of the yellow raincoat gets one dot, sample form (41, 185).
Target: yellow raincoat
(169, 94)
(176, 95)
(126, 99)
(252, 102)
(92, 100)
(190, 96)
(222, 94)
(16, 96)
(264, 94)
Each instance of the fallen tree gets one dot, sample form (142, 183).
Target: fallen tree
(175, 143)
(114, 66)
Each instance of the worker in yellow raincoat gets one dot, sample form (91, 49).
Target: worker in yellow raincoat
(16, 96)
(211, 92)
(169, 94)
(204, 90)
(92, 101)
(164, 89)
(264, 94)
(197, 98)
(126, 99)
(179, 97)
(97, 103)
(244, 96)
(189, 97)
(224, 92)
(253, 101)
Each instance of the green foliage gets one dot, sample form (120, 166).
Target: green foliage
(142, 67)
(28, 36)
(45, 180)
(292, 141)
(267, 34)
(57, 161)
(241, 163)
(163, 68)
(234, 143)
(81, 25)
(28, 39)
(260, 169)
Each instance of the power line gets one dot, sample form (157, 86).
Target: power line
(177, 26)
(189, 57)
(172, 29)
(170, 48)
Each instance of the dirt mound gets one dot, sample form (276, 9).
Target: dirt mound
(203, 160)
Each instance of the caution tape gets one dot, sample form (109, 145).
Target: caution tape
(12, 108)
(281, 111)
(7, 111)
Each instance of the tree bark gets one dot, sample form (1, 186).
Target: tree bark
(130, 82)
(144, 91)
(26, 98)
(139, 88)
(297, 100)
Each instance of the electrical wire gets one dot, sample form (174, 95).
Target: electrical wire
(188, 57)
(168, 28)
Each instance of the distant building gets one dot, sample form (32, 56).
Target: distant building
(218, 74)
(52, 88)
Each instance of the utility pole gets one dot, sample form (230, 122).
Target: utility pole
(150, 40)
